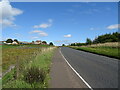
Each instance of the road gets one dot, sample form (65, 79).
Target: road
(62, 76)
(98, 71)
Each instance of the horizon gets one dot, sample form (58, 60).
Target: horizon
(60, 23)
(49, 42)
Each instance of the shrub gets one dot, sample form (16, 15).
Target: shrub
(34, 75)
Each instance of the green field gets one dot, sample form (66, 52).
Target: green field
(101, 50)
(10, 53)
(32, 66)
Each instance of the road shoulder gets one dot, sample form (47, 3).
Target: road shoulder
(62, 76)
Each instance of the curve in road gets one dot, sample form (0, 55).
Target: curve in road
(99, 71)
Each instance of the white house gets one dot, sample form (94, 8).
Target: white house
(14, 43)
(38, 42)
(8, 43)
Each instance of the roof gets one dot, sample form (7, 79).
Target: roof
(38, 40)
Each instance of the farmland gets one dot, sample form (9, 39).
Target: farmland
(11, 53)
(26, 58)
(107, 49)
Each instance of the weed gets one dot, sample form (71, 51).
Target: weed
(34, 74)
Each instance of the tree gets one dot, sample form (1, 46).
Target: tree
(9, 41)
(63, 44)
(51, 44)
(88, 41)
(114, 37)
(44, 42)
(72, 44)
(16, 40)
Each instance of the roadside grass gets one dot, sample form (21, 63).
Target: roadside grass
(9, 46)
(106, 45)
(32, 73)
(10, 54)
(27, 45)
(0, 46)
(32, 45)
(101, 50)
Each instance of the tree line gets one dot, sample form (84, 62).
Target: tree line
(10, 41)
(111, 37)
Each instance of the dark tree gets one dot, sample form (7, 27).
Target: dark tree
(63, 44)
(114, 37)
(88, 41)
(9, 41)
(110, 37)
(44, 42)
(51, 44)
(16, 40)
(73, 44)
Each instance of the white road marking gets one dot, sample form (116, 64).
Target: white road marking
(76, 71)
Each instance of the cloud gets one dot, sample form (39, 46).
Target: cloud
(44, 25)
(90, 11)
(58, 41)
(50, 20)
(62, 41)
(69, 35)
(40, 33)
(94, 28)
(35, 37)
(35, 31)
(8, 13)
(115, 26)
(18, 35)
(91, 28)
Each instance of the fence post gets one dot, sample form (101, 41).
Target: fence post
(17, 67)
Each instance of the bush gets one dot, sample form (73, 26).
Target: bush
(9, 41)
(34, 75)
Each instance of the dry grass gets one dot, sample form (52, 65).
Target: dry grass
(35, 60)
(109, 44)
(11, 56)
(110, 49)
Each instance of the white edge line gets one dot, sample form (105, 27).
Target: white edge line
(75, 71)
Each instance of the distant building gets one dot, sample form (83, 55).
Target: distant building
(23, 42)
(8, 43)
(37, 42)
(4, 42)
(14, 43)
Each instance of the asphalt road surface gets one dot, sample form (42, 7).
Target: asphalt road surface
(62, 76)
(98, 71)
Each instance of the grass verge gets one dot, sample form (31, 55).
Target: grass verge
(105, 51)
(12, 53)
(32, 74)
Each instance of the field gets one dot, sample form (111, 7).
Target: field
(26, 66)
(12, 54)
(107, 49)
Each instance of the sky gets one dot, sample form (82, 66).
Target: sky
(58, 22)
